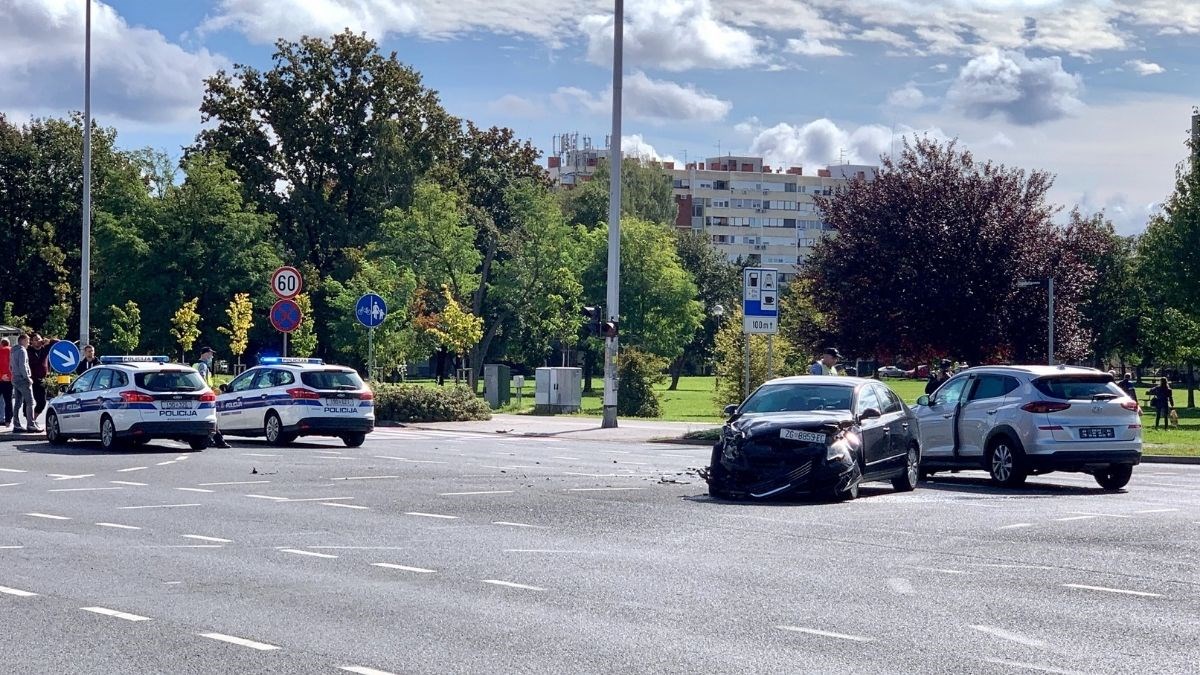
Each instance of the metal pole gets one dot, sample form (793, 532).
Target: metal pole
(746, 380)
(370, 352)
(1050, 323)
(770, 357)
(85, 259)
(285, 345)
(614, 222)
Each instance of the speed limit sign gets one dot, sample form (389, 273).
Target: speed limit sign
(286, 282)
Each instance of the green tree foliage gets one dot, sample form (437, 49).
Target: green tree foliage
(18, 321)
(396, 340)
(802, 323)
(729, 359)
(646, 193)
(241, 320)
(303, 341)
(1114, 303)
(638, 372)
(185, 326)
(718, 283)
(126, 328)
(434, 239)
(456, 328)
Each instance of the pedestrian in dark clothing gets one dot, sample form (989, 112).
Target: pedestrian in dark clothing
(89, 360)
(39, 354)
(1162, 401)
(1127, 386)
(23, 387)
(6, 385)
(938, 378)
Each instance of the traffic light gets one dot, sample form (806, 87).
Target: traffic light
(593, 316)
(608, 329)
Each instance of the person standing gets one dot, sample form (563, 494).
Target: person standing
(1127, 386)
(938, 378)
(827, 364)
(89, 360)
(6, 387)
(23, 387)
(39, 356)
(1162, 400)
(205, 367)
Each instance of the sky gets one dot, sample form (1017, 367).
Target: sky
(1093, 91)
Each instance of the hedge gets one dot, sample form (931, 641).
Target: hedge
(412, 403)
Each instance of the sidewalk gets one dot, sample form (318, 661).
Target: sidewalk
(588, 429)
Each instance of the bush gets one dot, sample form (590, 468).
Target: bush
(411, 403)
(637, 373)
(729, 360)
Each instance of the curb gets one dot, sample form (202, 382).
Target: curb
(1169, 459)
(682, 441)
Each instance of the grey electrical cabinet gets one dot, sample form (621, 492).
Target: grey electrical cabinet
(496, 385)
(557, 390)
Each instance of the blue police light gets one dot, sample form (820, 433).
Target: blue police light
(278, 360)
(135, 359)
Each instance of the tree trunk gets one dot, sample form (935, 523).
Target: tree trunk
(676, 370)
(587, 371)
(1191, 385)
(479, 352)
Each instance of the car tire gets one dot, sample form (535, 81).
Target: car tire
(54, 435)
(1114, 477)
(717, 475)
(907, 481)
(354, 440)
(1006, 462)
(141, 441)
(108, 434)
(200, 443)
(273, 430)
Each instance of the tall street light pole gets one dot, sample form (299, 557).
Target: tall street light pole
(1050, 317)
(614, 223)
(85, 261)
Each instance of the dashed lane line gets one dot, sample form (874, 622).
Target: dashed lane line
(1100, 515)
(9, 484)
(429, 515)
(119, 526)
(89, 489)
(13, 471)
(604, 489)
(346, 506)
(826, 633)
(319, 499)
(193, 490)
(257, 454)
(156, 506)
(366, 477)
(200, 537)
(9, 548)
(363, 670)
(241, 642)
(1038, 667)
(477, 492)
(900, 585)
(314, 554)
(169, 461)
(1011, 636)
(1070, 518)
(1145, 511)
(411, 461)
(127, 482)
(271, 497)
(509, 584)
(115, 614)
(504, 522)
(17, 592)
(1120, 591)
(404, 568)
(132, 468)
(66, 476)
(1015, 526)
(47, 516)
(235, 482)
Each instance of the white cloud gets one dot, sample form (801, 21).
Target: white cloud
(940, 67)
(1145, 68)
(137, 74)
(908, 96)
(516, 106)
(672, 35)
(822, 142)
(650, 99)
(1013, 86)
(634, 145)
(810, 46)
(885, 36)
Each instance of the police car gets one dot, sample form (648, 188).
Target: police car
(134, 398)
(282, 399)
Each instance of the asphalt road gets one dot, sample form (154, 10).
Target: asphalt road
(452, 552)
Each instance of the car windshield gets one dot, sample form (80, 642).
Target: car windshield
(798, 398)
(1078, 387)
(332, 379)
(169, 380)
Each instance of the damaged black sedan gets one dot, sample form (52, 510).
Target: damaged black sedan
(815, 435)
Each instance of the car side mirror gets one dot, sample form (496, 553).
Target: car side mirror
(730, 410)
(870, 414)
(924, 400)
(224, 388)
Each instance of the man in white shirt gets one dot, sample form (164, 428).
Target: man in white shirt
(827, 364)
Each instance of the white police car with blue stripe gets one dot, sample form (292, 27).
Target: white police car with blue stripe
(134, 398)
(282, 399)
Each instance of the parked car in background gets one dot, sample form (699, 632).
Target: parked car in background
(1017, 421)
(918, 373)
(890, 371)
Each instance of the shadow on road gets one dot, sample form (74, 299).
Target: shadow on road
(84, 448)
(260, 444)
(1036, 486)
(865, 491)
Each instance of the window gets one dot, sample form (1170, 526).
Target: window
(867, 399)
(993, 386)
(104, 380)
(1077, 387)
(169, 380)
(242, 382)
(84, 383)
(268, 378)
(332, 379)
(891, 402)
(949, 393)
(797, 397)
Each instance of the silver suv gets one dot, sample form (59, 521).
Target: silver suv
(1014, 421)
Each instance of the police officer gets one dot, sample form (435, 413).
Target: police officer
(827, 364)
(205, 368)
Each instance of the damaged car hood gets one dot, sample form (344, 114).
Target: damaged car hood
(757, 424)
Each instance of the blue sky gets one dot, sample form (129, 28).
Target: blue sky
(1095, 91)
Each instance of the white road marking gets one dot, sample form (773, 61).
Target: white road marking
(429, 515)
(242, 642)
(1032, 666)
(541, 550)
(14, 470)
(901, 586)
(366, 477)
(156, 506)
(91, 489)
(1063, 520)
(590, 475)
(193, 490)
(325, 457)
(236, 482)
(1011, 636)
(190, 546)
(7, 548)
(562, 457)
(363, 670)
(114, 613)
(64, 476)
(169, 461)
(1015, 526)
(939, 570)
(636, 463)
(17, 592)
(182, 458)
(346, 506)
(1157, 511)
(361, 548)
(319, 499)
(404, 568)
(257, 454)
(603, 489)
(119, 526)
(132, 468)
(411, 461)
(47, 516)
(1114, 590)
(504, 522)
(200, 537)
(331, 452)
(509, 584)
(825, 633)
(480, 492)
(277, 499)
(1014, 567)
(309, 553)
(1100, 515)
(9, 484)
(127, 482)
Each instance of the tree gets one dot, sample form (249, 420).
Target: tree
(434, 239)
(1114, 301)
(729, 359)
(397, 339)
(646, 193)
(801, 322)
(303, 341)
(18, 321)
(241, 320)
(185, 327)
(126, 328)
(928, 257)
(459, 330)
(718, 283)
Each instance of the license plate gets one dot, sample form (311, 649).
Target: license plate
(1096, 432)
(175, 405)
(802, 436)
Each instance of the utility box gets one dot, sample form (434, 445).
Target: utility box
(496, 389)
(557, 390)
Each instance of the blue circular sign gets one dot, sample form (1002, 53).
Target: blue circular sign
(286, 316)
(64, 357)
(371, 310)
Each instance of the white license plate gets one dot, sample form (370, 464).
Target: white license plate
(802, 436)
(1096, 432)
(175, 405)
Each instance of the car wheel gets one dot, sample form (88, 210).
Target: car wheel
(907, 481)
(354, 440)
(141, 441)
(1114, 477)
(273, 430)
(53, 430)
(1006, 463)
(199, 443)
(108, 434)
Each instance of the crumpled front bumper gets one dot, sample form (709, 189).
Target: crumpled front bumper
(775, 477)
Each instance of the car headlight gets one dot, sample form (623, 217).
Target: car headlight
(837, 452)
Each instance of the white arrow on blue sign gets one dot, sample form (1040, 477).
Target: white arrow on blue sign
(371, 310)
(760, 301)
(64, 357)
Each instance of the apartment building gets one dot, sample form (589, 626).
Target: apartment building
(749, 211)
